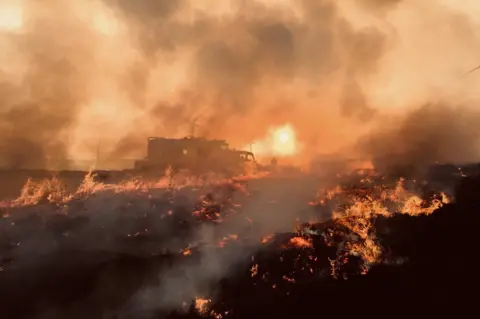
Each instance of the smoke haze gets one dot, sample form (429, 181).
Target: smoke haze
(75, 75)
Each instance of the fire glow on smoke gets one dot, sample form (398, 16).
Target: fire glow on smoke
(11, 17)
(280, 141)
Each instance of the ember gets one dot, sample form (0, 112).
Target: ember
(300, 242)
(201, 305)
(266, 239)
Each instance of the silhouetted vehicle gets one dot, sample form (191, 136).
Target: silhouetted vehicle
(198, 155)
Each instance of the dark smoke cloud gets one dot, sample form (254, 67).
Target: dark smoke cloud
(379, 4)
(238, 59)
(434, 133)
(37, 111)
(150, 20)
(119, 71)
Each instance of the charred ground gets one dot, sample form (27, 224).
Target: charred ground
(242, 248)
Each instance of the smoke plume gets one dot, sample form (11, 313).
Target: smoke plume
(78, 75)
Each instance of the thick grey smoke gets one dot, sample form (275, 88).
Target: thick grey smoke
(238, 60)
(113, 72)
(434, 133)
(38, 110)
(276, 208)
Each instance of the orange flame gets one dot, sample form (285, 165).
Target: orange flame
(300, 242)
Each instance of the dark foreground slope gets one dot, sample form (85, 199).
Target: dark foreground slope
(432, 268)
(436, 272)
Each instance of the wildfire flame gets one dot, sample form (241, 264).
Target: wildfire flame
(300, 242)
(353, 233)
(280, 141)
(284, 141)
(201, 305)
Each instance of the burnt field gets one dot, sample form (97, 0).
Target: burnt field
(250, 247)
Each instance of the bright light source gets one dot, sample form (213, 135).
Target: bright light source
(283, 141)
(280, 141)
(283, 137)
(11, 17)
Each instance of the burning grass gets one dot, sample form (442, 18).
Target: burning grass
(211, 229)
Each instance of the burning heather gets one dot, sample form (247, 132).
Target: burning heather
(152, 248)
